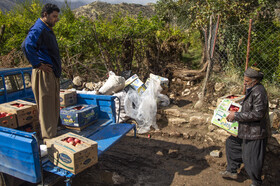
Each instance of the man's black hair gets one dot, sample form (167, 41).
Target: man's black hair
(49, 8)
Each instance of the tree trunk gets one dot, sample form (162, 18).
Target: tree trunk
(2, 30)
(199, 104)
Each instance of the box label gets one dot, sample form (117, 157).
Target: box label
(65, 158)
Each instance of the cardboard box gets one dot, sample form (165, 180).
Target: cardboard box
(67, 98)
(34, 107)
(8, 121)
(131, 79)
(220, 114)
(219, 119)
(69, 157)
(231, 97)
(135, 83)
(140, 88)
(23, 112)
(79, 115)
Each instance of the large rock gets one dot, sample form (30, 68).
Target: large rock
(172, 112)
(90, 86)
(78, 81)
(197, 120)
(177, 121)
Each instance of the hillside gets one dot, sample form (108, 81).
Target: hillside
(107, 10)
(7, 5)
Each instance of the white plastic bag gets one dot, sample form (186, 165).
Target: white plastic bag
(143, 108)
(120, 112)
(163, 100)
(113, 85)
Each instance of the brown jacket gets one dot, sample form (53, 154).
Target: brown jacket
(253, 118)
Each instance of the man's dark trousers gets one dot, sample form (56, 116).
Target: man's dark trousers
(249, 152)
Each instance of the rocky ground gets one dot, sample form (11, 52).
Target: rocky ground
(180, 152)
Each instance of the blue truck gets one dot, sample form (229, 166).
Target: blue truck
(20, 151)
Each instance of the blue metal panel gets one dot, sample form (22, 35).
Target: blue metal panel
(110, 134)
(19, 154)
(50, 167)
(106, 104)
(20, 93)
(12, 70)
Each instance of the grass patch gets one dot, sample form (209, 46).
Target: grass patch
(233, 77)
(192, 59)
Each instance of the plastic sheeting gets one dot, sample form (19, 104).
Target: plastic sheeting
(143, 107)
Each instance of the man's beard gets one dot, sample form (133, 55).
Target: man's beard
(250, 85)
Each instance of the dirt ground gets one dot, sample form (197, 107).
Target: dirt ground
(160, 159)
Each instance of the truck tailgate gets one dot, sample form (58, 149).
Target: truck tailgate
(19, 154)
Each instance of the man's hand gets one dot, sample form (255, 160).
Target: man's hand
(230, 117)
(45, 67)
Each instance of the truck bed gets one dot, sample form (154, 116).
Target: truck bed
(20, 154)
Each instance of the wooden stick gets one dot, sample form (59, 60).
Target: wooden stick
(248, 50)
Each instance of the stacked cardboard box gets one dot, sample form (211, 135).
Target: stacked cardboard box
(8, 120)
(25, 116)
(68, 98)
(72, 155)
(135, 83)
(35, 125)
(34, 108)
(24, 113)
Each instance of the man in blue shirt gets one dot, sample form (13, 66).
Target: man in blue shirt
(41, 49)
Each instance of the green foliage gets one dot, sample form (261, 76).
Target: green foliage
(193, 50)
(192, 13)
(91, 48)
(17, 23)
